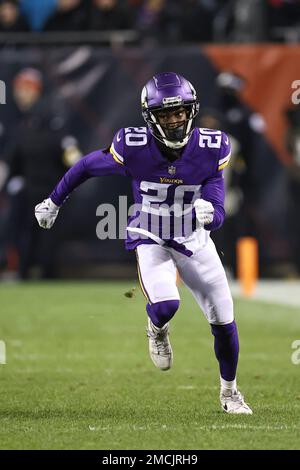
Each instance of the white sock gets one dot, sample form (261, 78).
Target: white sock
(227, 386)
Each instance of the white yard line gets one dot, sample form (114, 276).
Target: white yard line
(278, 292)
(210, 427)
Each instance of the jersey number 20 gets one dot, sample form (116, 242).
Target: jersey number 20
(210, 138)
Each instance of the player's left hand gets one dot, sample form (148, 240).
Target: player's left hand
(204, 211)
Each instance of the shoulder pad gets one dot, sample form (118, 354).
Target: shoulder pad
(225, 152)
(117, 146)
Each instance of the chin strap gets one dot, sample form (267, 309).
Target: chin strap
(176, 145)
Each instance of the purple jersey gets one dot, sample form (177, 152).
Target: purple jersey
(164, 192)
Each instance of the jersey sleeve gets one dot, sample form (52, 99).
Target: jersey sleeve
(98, 163)
(225, 152)
(117, 148)
(213, 189)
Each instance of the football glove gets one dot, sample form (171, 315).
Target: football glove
(204, 211)
(46, 213)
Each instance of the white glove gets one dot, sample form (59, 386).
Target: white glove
(204, 211)
(46, 213)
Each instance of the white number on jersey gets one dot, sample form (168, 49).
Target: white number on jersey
(135, 136)
(151, 202)
(210, 138)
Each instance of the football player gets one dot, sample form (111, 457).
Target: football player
(177, 173)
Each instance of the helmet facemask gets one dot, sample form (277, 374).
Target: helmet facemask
(176, 134)
(172, 135)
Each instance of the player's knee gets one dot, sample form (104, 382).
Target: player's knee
(161, 312)
(220, 312)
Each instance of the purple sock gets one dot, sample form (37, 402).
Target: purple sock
(226, 349)
(161, 312)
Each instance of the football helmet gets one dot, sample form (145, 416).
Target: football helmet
(164, 92)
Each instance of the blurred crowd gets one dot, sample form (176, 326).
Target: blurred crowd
(45, 148)
(30, 166)
(44, 133)
(160, 20)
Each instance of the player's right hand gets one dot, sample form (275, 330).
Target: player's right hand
(46, 213)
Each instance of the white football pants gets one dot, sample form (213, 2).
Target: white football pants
(202, 273)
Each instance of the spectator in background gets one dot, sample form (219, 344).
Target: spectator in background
(134, 3)
(241, 21)
(39, 153)
(234, 176)
(10, 17)
(70, 15)
(196, 19)
(283, 19)
(108, 15)
(244, 128)
(150, 19)
(37, 12)
(240, 122)
(292, 142)
(160, 20)
(177, 21)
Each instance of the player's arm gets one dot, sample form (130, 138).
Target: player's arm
(99, 163)
(209, 209)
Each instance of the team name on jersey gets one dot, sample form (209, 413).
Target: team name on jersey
(163, 179)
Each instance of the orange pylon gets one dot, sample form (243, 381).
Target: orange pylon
(247, 264)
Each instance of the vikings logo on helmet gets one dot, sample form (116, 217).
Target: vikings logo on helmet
(163, 92)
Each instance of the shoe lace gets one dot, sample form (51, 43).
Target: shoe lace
(160, 339)
(237, 396)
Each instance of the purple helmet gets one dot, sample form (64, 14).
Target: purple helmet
(163, 92)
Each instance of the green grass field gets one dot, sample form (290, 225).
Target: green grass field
(78, 374)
